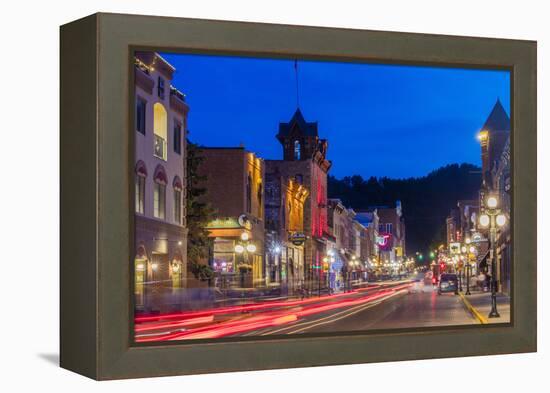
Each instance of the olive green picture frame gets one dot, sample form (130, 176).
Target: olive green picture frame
(96, 208)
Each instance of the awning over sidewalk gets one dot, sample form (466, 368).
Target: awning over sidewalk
(482, 262)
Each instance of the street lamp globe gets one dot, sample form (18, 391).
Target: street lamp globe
(244, 236)
(484, 220)
(251, 248)
(463, 249)
(501, 220)
(239, 249)
(472, 249)
(468, 240)
(492, 202)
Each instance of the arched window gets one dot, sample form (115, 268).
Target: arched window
(159, 193)
(297, 150)
(160, 128)
(141, 174)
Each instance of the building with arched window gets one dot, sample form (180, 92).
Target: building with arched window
(160, 227)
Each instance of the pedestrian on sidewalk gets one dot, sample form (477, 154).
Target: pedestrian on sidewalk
(480, 280)
(487, 286)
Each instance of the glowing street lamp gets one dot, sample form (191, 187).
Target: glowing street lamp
(239, 249)
(244, 247)
(493, 219)
(500, 220)
(492, 202)
(250, 247)
(484, 220)
(471, 252)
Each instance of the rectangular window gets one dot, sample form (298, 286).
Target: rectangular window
(160, 87)
(140, 115)
(159, 147)
(140, 194)
(159, 201)
(177, 206)
(177, 137)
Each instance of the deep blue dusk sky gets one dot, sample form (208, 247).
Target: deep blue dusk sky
(380, 120)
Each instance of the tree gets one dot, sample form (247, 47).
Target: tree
(199, 214)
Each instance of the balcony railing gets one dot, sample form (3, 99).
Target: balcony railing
(177, 93)
(160, 147)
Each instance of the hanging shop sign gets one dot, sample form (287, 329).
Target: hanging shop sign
(477, 238)
(454, 248)
(384, 241)
(223, 223)
(297, 238)
(244, 221)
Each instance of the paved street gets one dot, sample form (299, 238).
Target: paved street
(416, 306)
(381, 305)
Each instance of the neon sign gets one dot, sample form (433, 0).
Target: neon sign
(383, 240)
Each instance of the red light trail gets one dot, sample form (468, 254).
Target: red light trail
(265, 319)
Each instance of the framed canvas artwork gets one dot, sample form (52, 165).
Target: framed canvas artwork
(240, 196)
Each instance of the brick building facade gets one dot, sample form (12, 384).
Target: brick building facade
(234, 182)
(304, 160)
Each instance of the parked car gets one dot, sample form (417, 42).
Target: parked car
(448, 283)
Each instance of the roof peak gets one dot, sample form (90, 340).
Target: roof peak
(305, 127)
(298, 115)
(498, 119)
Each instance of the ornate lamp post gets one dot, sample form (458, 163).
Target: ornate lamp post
(472, 251)
(492, 219)
(462, 264)
(244, 247)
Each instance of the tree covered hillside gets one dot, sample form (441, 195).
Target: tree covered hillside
(426, 200)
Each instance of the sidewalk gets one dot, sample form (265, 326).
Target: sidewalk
(479, 304)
